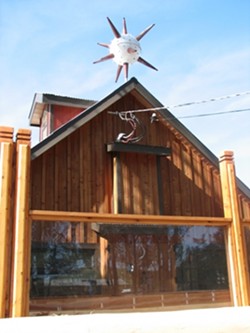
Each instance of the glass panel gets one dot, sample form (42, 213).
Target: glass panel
(126, 259)
(62, 264)
(247, 242)
(200, 259)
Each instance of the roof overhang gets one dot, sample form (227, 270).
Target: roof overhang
(92, 111)
(41, 100)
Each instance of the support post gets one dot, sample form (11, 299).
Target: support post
(117, 191)
(235, 242)
(6, 156)
(22, 228)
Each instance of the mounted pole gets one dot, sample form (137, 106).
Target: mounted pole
(235, 242)
(22, 228)
(6, 159)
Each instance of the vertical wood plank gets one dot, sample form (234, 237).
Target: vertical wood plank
(160, 186)
(126, 200)
(156, 193)
(108, 183)
(49, 196)
(197, 185)
(175, 179)
(207, 188)
(235, 243)
(185, 177)
(136, 183)
(202, 192)
(69, 175)
(82, 185)
(144, 187)
(61, 174)
(21, 267)
(245, 208)
(117, 183)
(217, 194)
(36, 184)
(75, 161)
(212, 196)
(167, 188)
(6, 157)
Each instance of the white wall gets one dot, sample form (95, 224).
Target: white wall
(221, 320)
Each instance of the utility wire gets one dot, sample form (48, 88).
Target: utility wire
(213, 113)
(187, 104)
(198, 115)
(210, 100)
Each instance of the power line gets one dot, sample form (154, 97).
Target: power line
(183, 117)
(187, 104)
(210, 100)
(213, 113)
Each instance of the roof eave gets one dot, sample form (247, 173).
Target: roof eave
(81, 119)
(40, 100)
(36, 110)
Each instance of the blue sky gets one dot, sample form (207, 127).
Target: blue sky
(201, 48)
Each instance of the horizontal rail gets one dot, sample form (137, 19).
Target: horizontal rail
(132, 302)
(48, 215)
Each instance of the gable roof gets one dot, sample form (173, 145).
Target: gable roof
(40, 100)
(95, 108)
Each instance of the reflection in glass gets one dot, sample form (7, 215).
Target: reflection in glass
(247, 242)
(125, 259)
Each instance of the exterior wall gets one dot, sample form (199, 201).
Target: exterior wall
(247, 249)
(71, 176)
(54, 116)
(62, 114)
(216, 320)
(77, 174)
(244, 206)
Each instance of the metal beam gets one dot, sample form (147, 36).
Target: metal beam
(135, 148)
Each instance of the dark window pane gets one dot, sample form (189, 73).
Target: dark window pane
(247, 242)
(125, 260)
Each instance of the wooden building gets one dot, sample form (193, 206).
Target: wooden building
(121, 207)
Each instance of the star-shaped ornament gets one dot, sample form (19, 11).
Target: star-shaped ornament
(125, 49)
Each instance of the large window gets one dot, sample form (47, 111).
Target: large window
(126, 259)
(247, 242)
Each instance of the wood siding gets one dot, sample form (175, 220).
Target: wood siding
(77, 173)
(62, 114)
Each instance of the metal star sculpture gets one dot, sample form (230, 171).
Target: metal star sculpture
(125, 49)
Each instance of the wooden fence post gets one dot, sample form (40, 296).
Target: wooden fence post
(22, 228)
(6, 155)
(235, 242)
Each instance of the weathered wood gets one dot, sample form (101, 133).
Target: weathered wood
(21, 250)
(6, 170)
(237, 261)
